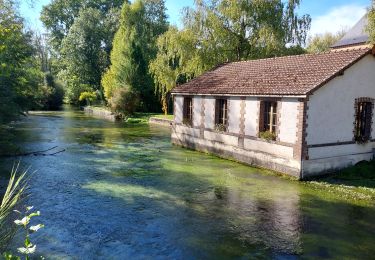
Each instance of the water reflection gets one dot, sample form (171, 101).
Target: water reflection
(125, 192)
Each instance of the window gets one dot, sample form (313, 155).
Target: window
(188, 111)
(363, 121)
(270, 116)
(221, 115)
(268, 120)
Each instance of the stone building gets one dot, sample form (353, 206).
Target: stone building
(301, 115)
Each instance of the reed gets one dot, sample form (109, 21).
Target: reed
(14, 193)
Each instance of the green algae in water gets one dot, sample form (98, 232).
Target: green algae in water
(123, 191)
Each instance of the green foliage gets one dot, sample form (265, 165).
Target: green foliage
(240, 30)
(84, 53)
(267, 135)
(50, 95)
(187, 122)
(177, 61)
(371, 23)
(322, 43)
(59, 16)
(134, 45)
(220, 128)
(88, 96)
(124, 102)
(28, 247)
(20, 78)
(13, 194)
(218, 31)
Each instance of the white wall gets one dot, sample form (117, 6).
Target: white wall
(331, 111)
(234, 115)
(331, 108)
(251, 116)
(197, 107)
(209, 112)
(269, 148)
(178, 106)
(288, 120)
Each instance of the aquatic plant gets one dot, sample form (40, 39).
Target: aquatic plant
(28, 248)
(13, 194)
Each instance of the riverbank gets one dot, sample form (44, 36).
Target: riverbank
(101, 112)
(154, 118)
(356, 182)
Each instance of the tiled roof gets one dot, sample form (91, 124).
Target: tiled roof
(290, 75)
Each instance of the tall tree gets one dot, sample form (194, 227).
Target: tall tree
(218, 31)
(81, 33)
(177, 60)
(59, 15)
(322, 43)
(134, 46)
(20, 77)
(84, 53)
(240, 30)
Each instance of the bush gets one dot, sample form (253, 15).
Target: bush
(124, 102)
(50, 95)
(220, 128)
(267, 135)
(88, 96)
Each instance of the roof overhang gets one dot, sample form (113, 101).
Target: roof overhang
(238, 95)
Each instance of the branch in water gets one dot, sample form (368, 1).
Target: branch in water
(37, 153)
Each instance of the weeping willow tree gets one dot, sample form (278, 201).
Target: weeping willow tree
(177, 60)
(217, 31)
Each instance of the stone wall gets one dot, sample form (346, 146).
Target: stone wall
(225, 146)
(241, 140)
(100, 112)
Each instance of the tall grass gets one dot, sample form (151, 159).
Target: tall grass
(14, 193)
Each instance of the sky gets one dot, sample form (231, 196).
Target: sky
(327, 15)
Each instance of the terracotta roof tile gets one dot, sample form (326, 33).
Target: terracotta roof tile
(290, 75)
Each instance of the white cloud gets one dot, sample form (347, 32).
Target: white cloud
(337, 19)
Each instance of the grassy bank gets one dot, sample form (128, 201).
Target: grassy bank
(356, 182)
(144, 117)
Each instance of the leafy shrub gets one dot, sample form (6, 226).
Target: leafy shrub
(56, 94)
(187, 122)
(267, 135)
(220, 128)
(124, 102)
(88, 96)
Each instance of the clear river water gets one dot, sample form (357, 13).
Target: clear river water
(123, 191)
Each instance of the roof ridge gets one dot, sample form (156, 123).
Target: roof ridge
(304, 54)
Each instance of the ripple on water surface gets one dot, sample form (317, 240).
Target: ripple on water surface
(123, 191)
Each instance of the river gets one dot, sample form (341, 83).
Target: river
(125, 192)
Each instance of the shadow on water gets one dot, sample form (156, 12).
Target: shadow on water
(125, 192)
